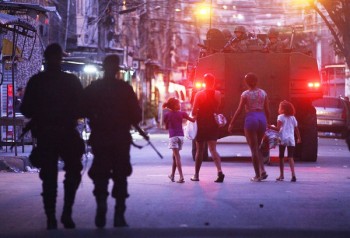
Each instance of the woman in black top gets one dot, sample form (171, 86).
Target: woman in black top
(205, 105)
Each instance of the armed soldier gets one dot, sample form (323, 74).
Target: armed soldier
(240, 41)
(51, 102)
(111, 106)
(274, 44)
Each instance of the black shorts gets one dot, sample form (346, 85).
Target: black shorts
(290, 150)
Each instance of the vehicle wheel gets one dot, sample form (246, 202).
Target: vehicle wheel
(307, 150)
(205, 155)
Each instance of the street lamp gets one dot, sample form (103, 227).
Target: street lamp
(203, 11)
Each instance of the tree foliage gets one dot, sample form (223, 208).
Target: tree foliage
(338, 22)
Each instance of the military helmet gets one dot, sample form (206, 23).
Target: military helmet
(273, 32)
(240, 29)
(226, 33)
(53, 52)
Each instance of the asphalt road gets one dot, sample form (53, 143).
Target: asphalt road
(317, 205)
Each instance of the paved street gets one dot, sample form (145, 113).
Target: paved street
(317, 205)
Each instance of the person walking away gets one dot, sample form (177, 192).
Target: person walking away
(111, 107)
(287, 125)
(51, 102)
(206, 103)
(18, 99)
(173, 121)
(255, 102)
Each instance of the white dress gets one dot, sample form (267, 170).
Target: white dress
(287, 129)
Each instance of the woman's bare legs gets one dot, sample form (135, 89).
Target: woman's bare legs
(261, 157)
(217, 160)
(198, 159)
(252, 140)
(214, 154)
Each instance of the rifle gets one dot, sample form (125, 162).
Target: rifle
(231, 41)
(146, 137)
(29, 125)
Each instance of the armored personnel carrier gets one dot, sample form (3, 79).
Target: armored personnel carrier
(291, 76)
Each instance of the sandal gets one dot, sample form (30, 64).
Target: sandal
(181, 180)
(280, 178)
(194, 178)
(171, 178)
(255, 179)
(264, 176)
(220, 178)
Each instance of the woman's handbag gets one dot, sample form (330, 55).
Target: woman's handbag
(220, 119)
(191, 130)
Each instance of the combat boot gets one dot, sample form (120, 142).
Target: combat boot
(101, 210)
(49, 199)
(51, 222)
(70, 188)
(119, 219)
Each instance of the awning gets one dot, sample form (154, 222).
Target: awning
(8, 21)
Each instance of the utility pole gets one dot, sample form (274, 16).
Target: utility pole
(169, 43)
(67, 25)
(101, 44)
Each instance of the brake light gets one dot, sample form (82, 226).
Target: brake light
(313, 84)
(200, 85)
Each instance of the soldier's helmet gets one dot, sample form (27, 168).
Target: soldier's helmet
(53, 52)
(111, 63)
(227, 34)
(273, 32)
(240, 29)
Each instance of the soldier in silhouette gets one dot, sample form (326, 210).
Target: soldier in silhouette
(51, 101)
(111, 107)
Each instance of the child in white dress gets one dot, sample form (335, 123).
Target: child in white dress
(287, 125)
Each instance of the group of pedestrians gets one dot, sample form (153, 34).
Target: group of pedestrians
(54, 101)
(206, 103)
(256, 105)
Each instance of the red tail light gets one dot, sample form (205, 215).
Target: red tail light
(314, 84)
(199, 85)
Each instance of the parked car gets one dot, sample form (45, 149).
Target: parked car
(333, 114)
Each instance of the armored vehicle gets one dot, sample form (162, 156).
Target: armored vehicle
(291, 76)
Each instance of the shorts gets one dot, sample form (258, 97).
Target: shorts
(255, 121)
(290, 150)
(176, 142)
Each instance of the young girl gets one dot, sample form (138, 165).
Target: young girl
(173, 121)
(287, 125)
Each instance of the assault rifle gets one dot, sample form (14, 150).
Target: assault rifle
(146, 137)
(29, 125)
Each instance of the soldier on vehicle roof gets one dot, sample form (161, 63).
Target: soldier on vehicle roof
(239, 43)
(274, 43)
